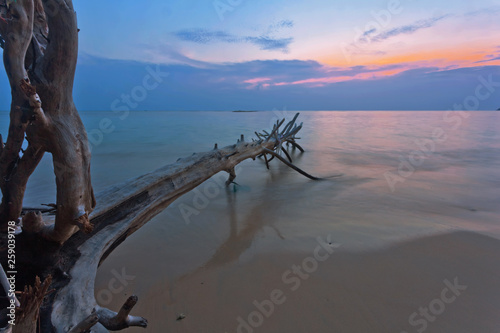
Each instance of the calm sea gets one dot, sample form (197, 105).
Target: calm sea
(404, 175)
(399, 160)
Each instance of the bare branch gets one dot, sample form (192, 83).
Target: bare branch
(287, 155)
(267, 162)
(121, 320)
(302, 172)
(296, 145)
(85, 325)
(232, 176)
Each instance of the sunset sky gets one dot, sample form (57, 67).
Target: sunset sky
(317, 54)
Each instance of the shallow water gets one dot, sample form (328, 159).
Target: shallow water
(453, 185)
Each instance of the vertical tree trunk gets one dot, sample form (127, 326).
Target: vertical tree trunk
(40, 55)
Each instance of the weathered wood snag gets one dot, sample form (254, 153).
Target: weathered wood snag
(40, 50)
(40, 42)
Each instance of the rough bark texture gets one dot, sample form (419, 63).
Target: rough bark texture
(40, 53)
(40, 42)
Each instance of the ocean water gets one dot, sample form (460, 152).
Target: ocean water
(450, 177)
(403, 175)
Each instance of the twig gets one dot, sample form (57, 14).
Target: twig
(121, 320)
(86, 324)
(287, 155)
(267, 162)
(296, 145)
(302, 172)
(232, 176)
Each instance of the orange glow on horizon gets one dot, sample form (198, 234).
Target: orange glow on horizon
(463, 57)
(319, 82)
(441, 60)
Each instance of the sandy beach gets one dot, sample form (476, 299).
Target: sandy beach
(422, 258)
(443, 283)
(349, 292)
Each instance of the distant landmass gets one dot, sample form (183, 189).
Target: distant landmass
(243, 111)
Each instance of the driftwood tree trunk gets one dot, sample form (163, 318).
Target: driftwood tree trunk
(40, 53)
(40, 42)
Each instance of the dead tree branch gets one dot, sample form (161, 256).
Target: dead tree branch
(125, 208)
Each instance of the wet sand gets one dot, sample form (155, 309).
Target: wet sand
(374, 291)
(404, 259)
(397, 247)
(395, 252)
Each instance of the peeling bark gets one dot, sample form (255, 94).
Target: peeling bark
(31, 300)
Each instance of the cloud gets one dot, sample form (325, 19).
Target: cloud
(259, 85)
(203, 36)
(403, 30)
(265, 41)
(369, 32)
(270, 44)
(280, 25)
(488, 58)
(257, 82)
(356, 50)
(256, 75)
(485, 11)
(252, 86)
(335, 75)
(361, 45)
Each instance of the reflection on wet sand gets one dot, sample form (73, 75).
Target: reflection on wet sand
(351, 292)
(239, 241)
(397, 247)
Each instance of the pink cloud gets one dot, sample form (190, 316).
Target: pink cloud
(319, 82)
(253, 83)
(257, 80)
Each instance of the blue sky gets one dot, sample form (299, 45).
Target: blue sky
(241, 54)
